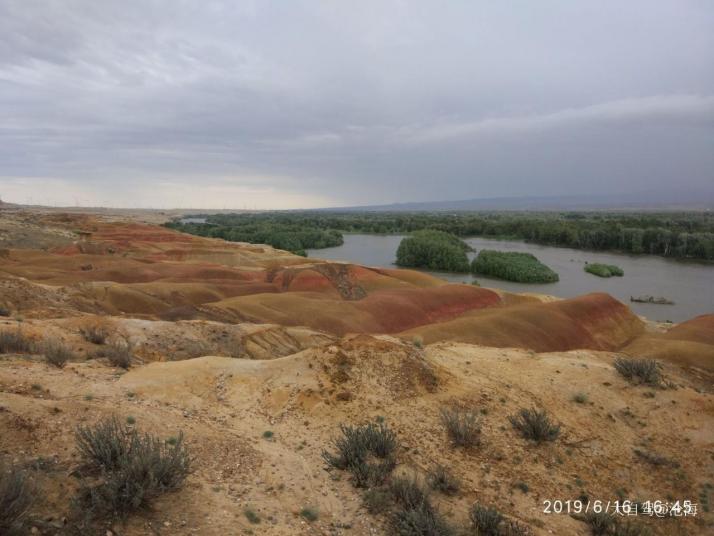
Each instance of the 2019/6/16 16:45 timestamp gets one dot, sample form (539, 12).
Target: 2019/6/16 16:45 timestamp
(656, 508)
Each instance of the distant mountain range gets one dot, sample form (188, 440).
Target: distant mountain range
(633, 201)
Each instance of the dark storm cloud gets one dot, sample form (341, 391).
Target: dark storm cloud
(285, 104)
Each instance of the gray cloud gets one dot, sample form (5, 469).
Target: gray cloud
(309, 103)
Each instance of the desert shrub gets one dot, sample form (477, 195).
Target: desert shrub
(377, 500)
(604, 270)
(631, 528)
(419, 521)
(309, 513)
(439, 478)
(580, 398)
(95, 332)
(462, 426)
(434, 250)
(655, 459)
(639, 371)
(486, 520)
(512, 266)
(56, 353)
(601, 523)
(144, 468)
(535, 425)
(14, 342)
(106, 444)
(367, 451)
(119, 355)
(4, 311)
(511, 527)
(15, 498)
(408, 492)
(251, 515)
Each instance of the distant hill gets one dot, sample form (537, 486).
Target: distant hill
(632, 201)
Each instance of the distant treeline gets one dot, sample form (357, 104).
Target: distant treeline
(289, 236)
(679, 235)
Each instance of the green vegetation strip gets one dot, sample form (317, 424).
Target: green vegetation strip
(670, 234)
(513, 266)
(433, 250)
(604, 270)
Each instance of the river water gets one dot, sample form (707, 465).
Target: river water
(690, 285)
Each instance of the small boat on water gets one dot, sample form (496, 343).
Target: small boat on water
(651, 299)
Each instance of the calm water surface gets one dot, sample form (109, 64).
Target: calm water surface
(690, 285)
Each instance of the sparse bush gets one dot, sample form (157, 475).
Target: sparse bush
(440, 479)
(639, 371)
(655, 459)
(535, 425)
(106, 444)
(119, 355)
(420, 521)
(309, 513)
(15, 498)
(523, 486)
(486, 520)
(96, 333)
(408, 492)
(56, 353)
(462, 426)
(138, 468)
(580, 398)
(14, 342)
(251, 515)
(367, 451)
(511, 527)
(631, 528)
(376, 500)
(601, 523)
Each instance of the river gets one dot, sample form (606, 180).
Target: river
(690, 285)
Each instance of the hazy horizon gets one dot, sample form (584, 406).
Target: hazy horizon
(313, 104)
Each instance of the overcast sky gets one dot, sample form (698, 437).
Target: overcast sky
(273, 104)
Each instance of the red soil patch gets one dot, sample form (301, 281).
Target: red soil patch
(595, 321)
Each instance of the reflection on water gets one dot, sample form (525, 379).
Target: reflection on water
(690, 285)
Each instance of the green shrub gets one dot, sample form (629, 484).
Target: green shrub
(16, 497)
(433, 250)
(408, 492)
(535, 425)
(601, 523)
(309, 513)
(580, 398)
(56, 353)
(119, 355)
(462, 427)
(104, 445)
(376, 500)
(14, 342)
(251, 515)
(639, 371)
(367, 451)
(440, 479)
(486, 520)
(136, 468)
(96, 333)
(419, 521)
(512, 266)
(604, 270)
